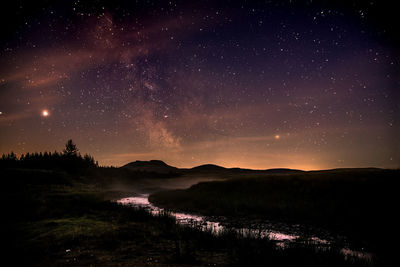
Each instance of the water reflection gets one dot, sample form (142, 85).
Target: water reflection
(216, 225)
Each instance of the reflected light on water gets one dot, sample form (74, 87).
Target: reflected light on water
(202, 222)
(205, 224)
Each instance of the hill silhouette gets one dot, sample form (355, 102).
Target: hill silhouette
(208, 168)
(156, 166)
(160, 167)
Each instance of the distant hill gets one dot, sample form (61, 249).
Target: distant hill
(156, 166)
(281, 171)
(211, 168)
(208, 168)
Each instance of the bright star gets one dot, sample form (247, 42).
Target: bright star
(45, 113)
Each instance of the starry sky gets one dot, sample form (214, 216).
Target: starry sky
(252, 84)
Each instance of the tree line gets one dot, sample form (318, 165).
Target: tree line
(69, 159)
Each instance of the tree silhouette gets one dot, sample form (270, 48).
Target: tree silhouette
(70, 148)
(70, 160)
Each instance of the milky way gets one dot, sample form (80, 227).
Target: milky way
(297, 84)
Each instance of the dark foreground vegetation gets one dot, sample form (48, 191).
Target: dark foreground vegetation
(52, 219)
(358, 203)
(55, 217)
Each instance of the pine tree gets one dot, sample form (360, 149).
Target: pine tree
(70, 148)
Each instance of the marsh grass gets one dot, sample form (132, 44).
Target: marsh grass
(55, 218)
(359, 204)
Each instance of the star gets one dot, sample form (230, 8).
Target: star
(45, 113)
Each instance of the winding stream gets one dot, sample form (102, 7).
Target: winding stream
(281, 233)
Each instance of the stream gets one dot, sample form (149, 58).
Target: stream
(283, 234)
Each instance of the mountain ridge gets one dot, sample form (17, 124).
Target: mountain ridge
(159, 166)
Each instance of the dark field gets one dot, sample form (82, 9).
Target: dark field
(54, 217)
(360, 204)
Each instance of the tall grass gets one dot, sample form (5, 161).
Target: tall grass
(360, 204)
(54, 218)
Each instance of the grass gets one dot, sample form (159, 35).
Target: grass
(360, 204)
(53, 218)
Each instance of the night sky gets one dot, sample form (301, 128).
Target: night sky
(253, 84)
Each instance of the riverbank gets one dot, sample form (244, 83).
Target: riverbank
(283, 235)
(55, 218)
(358, 204)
